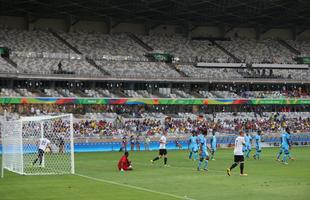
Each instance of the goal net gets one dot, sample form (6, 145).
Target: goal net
(38, 145)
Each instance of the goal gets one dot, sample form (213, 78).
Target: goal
(20, 145)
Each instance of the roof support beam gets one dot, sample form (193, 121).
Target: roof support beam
(193, 28)
(228, 28)
(260, 30)
(154, 26)
(71, 21)
(297, 31)
(147, 28)
(30, 20)
(108, 21)
(225, 29)
(188, 27)
(257, 32)
(115, 24)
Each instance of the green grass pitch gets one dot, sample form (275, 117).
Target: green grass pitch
(98, 178)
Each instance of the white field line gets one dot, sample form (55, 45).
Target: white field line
(134, 187)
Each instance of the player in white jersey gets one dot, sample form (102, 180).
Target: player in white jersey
(43, 144)
(238, 154)
(162, 149)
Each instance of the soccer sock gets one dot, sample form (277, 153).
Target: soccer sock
(241, 168)
(256, 155)
(35, 161)
(248, 154)
(165, 160)
(40, 160)
(195, 155)
(233, 166)
(190, 155)
(155, 158)
(206, 164)
(284, 158)
(199, 164)
(279, 154)
(212, 155)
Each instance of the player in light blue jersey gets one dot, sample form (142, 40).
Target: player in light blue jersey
(200, 137)
(213, 145)
(203, 152)
(248, 145)
(285, 146)
(193, 146)
(258, 146)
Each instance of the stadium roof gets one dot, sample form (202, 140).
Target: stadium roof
(248, 13)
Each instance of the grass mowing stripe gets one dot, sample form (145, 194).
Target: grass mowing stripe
(176, 167)
(190, 168)
(134, 187)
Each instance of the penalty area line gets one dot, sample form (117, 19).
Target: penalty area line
(134, 187)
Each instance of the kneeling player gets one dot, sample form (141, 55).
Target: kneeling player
(238, 155)
(124, 164)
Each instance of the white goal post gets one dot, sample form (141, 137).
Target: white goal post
(21, 140)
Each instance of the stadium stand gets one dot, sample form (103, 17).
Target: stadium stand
(8, 92)
(98, 45)
(210, 73)
(186, 50)
(302, 46)
(264, 51)
(39, 51)
(6, 67)
(138, 69)
(109, 123)
(122, 56)
(31, 41)
(50, 66)
(217, 92)
(52, 93)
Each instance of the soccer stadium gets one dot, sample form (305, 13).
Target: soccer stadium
(154, 99)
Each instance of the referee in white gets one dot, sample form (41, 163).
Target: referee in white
(162, 149)
(238, 154)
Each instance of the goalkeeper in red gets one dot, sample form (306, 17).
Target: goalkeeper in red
(124, 164)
